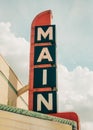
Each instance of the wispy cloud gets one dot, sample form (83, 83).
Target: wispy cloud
(15, 50)
(75, 91)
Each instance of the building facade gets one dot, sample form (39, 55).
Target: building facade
(9, 86)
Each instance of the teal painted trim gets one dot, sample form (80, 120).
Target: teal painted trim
(9, 83)
(38, 115)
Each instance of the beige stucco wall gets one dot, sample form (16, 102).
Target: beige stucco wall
(9, 84)
(3, 91)
(12, 121)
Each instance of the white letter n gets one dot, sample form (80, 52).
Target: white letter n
(41, 99)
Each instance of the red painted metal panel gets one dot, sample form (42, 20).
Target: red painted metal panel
(41, 19)
(68, 115)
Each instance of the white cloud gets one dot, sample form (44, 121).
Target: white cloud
(75, 93)
(87, 126)
(15, 50)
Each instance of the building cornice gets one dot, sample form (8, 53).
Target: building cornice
(37, 115)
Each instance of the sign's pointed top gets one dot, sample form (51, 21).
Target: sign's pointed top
(43, 18)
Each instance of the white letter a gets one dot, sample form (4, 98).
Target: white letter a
(44, 55)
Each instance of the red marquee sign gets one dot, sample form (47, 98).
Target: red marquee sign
(42, 78)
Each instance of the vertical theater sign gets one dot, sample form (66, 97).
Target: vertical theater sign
(42, 76)
(42, 79)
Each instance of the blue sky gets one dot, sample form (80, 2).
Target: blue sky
(74, 38)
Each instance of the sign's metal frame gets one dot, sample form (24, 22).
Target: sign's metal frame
(42, 22)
